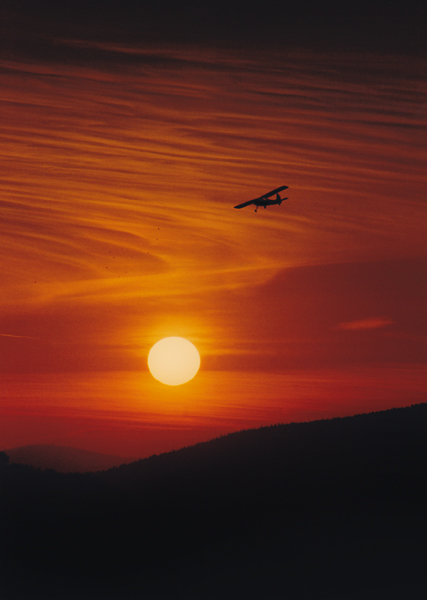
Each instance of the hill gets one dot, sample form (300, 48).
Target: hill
(63, 459)
(330, 510)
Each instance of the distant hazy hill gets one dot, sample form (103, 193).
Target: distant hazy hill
(327, 510)
(63, 459)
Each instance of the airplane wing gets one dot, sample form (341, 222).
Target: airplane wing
(245, 204)
(273, 192)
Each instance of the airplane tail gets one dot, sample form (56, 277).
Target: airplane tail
(279, 199)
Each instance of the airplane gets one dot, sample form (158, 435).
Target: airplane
(264, 200)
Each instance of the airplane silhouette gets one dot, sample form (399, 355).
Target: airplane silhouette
(264, 200)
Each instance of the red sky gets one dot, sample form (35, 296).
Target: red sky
(118, 228)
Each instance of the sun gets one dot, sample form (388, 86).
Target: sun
(173, 360)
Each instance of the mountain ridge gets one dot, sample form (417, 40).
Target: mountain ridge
(384, 448)
(68, 459)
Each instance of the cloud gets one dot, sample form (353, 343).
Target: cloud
(371, 323)
(118, 219)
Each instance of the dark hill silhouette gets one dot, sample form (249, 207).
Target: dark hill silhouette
(330, 510)
(63, 459)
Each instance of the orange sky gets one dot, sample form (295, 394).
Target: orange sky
(118, 228)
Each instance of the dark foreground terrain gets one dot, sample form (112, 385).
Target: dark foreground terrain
(328, 510)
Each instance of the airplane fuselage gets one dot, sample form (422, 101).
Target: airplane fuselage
(266, 203)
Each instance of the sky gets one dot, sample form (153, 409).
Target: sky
(128, 138)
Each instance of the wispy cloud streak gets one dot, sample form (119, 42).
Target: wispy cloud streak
(372, 323)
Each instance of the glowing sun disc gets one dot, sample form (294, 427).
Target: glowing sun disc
(173, 360)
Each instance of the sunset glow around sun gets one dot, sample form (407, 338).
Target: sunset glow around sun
(173, 360)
